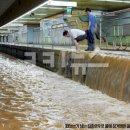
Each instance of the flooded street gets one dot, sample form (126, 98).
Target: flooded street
(32, 98)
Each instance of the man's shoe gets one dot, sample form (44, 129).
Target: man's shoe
(89, 50)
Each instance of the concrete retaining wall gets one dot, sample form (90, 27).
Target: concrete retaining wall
(113, 80)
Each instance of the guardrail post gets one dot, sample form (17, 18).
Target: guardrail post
(100, 31)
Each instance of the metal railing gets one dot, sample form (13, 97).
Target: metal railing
(116, 32)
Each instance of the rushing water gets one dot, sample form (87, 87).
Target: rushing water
(32, 98)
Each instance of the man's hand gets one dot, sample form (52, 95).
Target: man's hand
(76, 45)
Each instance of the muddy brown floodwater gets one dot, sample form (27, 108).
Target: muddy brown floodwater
(32, 98)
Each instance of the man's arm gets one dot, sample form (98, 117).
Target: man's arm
(89, 24)
(96, 27)
(89, 21)
(76, 45)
